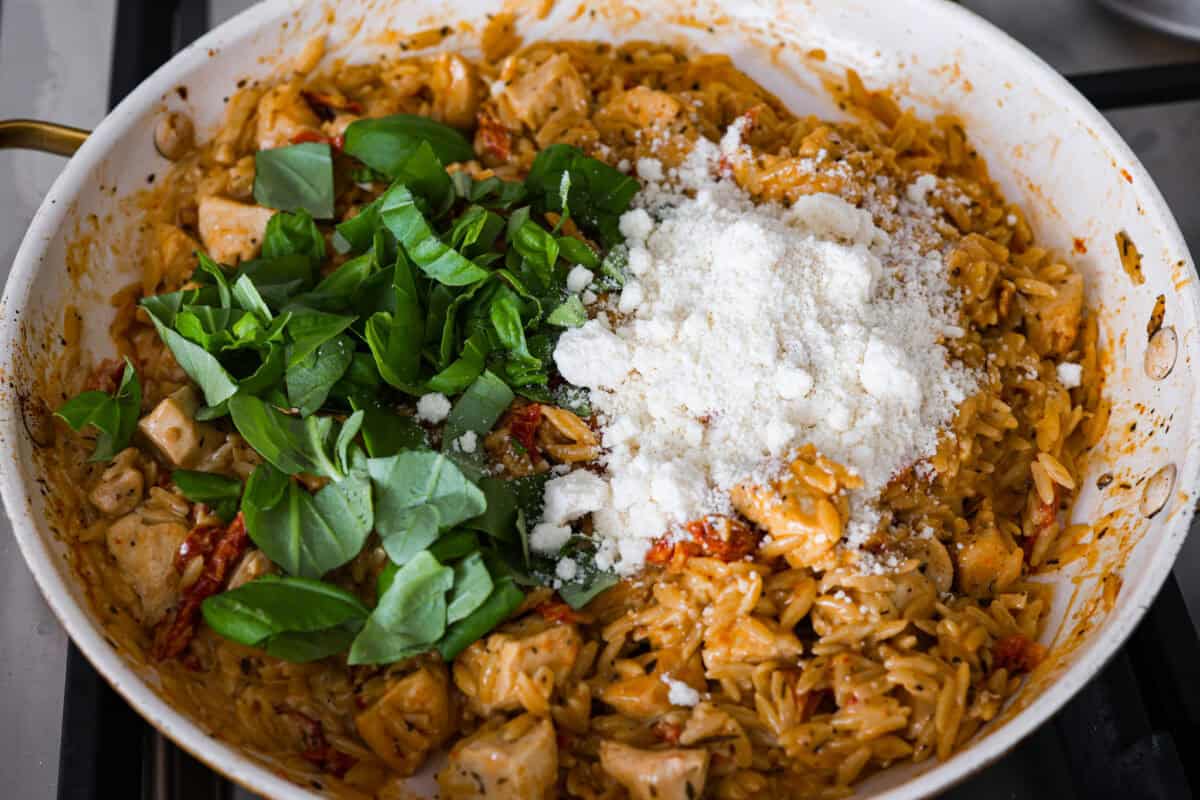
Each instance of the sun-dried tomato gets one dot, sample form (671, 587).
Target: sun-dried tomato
(336, 142)
(523, 424)
(317, 749)
(668, 731)
(492, 138)
(558, 611)
(220, 548)
(1017, 653)
(712, 537)
(327, 102)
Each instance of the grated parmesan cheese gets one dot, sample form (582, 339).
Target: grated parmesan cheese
(747, 331)
(1070, 375)
(679, 693)
(433, 408)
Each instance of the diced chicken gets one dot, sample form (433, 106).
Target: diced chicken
(414, 717)
(804, 526)
(455, 87)
(493, 673)
(554, 88)
(144, 544)
(640, 696)
(749, 640)
(988, 563)
(515, 761)
(1054, 323)
(232, 232)
(284, 115)
(656, 774)
(181, 440)
(643, 107)
(121, 486)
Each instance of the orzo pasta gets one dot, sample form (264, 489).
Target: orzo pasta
(317, 503)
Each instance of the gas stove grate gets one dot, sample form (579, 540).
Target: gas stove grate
(1121, 737)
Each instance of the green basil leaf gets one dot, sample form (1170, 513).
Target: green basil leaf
(500, 604)
(356, 234)
(208, 269)
(578, 593)
(453, 545)
(472, 586)
(309, 382)
(494, 192)
(419, 495)
(294, 178)
(476, 411)
(424, 174)
(539, 249)
(310, 329)
(410, 616)
(385, 144)
(200, 365)
(499, 518)
(336, 291)
(249, 299)
(345, 439)
(386, 433)
(304, 647)
(294, 234)
(257, 610)
(569, 314)
(475, 231)
(463, 370)
(268, 374)
(218, 492)
(577, 252)
(291, 444)
(114, 416)
(598, 194)
(436, 259)
(306, 534)
(280, 279)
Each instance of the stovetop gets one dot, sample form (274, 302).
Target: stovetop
(66, 733)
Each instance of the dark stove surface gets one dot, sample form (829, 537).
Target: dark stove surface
(1132, 733)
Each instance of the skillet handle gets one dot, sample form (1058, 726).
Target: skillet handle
(31, 134)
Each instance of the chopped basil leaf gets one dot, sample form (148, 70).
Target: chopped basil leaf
(294, 178)
(114, 416)
(500, 604)
(219, 493)
(264, 608)
(385, 144)
(291, 444)
(410, 616)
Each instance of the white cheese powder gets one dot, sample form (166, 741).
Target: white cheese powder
(679, 693)
(1070, 375)
(433, 408)
(745, 332)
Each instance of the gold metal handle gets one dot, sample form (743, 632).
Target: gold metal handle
(32, 134)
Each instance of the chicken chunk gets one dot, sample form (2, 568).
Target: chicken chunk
(144, 544)
(656, 774)
(170, 427)
(1054, 323)
(493, 673)
(121, 486)
(554, 88)
(284, 115)
(414, 717)
(515, 761)
(455, 87)
(171, 261)
(232, 232)
(988, 563)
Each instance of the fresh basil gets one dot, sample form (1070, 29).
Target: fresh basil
(291, 444)
(201, 366)
(114, 416)
(310, 381)
(294, 178)
(419, 495)
(569, 314)
(472, 585)
(218, 492)
(500, 604)
(303, 647)
(247, 296)
(355, 234)
(410, 616)
(479, 407)
(255, 612)
(290, 234)
(310, 329)
(211, 273)
(463, 370)
(439, 261)
(385, 144)
(308, 534)
(386, 433)
(598, 193)
(577, 252)
(453, 545)
(278, 280)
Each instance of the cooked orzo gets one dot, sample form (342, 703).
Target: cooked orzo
(580, 422)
